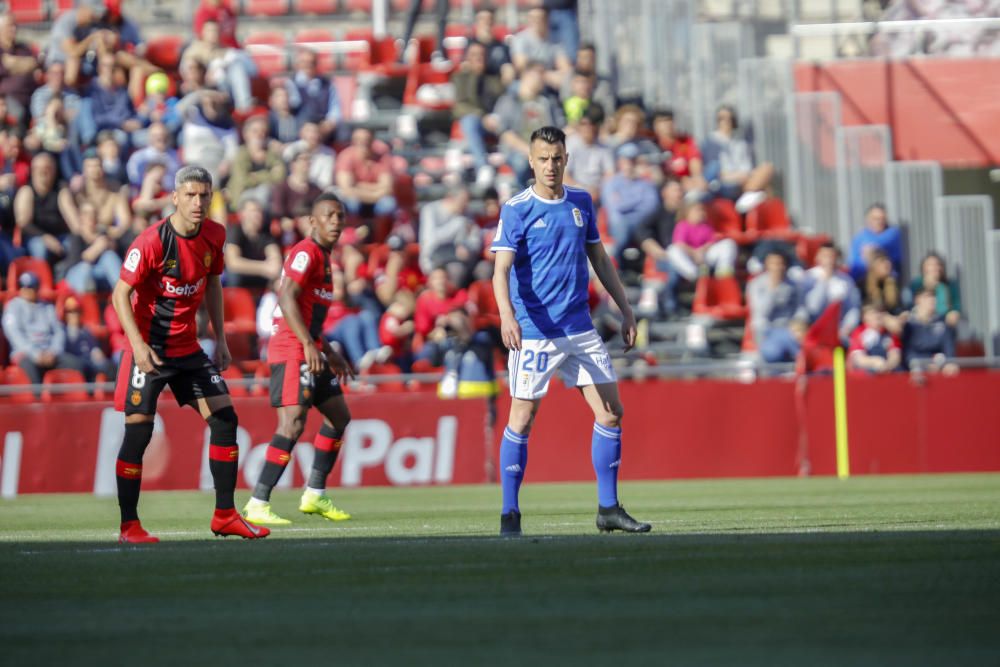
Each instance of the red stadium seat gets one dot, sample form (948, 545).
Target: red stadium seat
(28, 11)
(265, 7)
(58, 376)
(724, 218)
(237, 389)
(322, 7)
(59, 7)
(808, 245)
(320, 42)
(37, 266)
(90, 312)
(434, 78)
(720, 298)
(268, 48)
(240, 310)
(165, 51)
(393, 386)
(358, 6)
(456, 38)
(770, 220)
(16, 377)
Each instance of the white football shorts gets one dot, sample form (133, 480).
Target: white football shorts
(581, 360)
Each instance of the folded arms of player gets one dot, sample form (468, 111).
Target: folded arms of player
(146, 360)
(606, 273)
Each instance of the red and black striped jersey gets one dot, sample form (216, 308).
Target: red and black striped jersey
(308, 264)
(169, 273)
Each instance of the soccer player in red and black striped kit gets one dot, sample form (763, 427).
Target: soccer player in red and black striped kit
(168, 271)
(305, 371)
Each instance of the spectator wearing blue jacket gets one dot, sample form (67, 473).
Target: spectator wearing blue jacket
(877, 234)
(37, 337)
(629, 199)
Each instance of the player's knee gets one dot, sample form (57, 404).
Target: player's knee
(612, 417)
(223, 425)
(292, 427)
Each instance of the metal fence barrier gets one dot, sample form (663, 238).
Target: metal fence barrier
(863, 155)
(817, 119)
(965, 225)
(915, 188)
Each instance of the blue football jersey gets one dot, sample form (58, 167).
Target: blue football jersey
(548, 282)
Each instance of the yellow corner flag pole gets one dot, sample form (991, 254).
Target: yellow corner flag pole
(840, 413)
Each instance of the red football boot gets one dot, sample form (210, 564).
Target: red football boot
(229, 522)
(132, 532)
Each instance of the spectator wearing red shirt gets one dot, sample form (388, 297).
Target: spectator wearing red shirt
(872, 348)
(682, 159)
(221, 12)
(396, 329)
(440, 318)
(364, 177)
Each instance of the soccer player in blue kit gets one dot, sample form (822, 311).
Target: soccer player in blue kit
(545, 237)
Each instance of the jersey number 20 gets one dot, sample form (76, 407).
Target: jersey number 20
(539, 360)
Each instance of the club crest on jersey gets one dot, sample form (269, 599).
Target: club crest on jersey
(132, 261)
(208, 259)
(301, 261)
(136, 398)
(578, 217)
(170, 264)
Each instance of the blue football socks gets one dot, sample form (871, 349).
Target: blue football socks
(606, 452)
(513, 461)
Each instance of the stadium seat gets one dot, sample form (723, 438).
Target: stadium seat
(265, 7)
(234, 380)
(15, 376)
(427, 87)
(770, 220)
(320, 7)
(393, 386)
(90, 312)
(358, 6)
(808, 245)
(374, 55)
(456, 38)
(320, 42)
(726, 221)
(240, 310)
(59, 7)
(37, 266)
(58, 376)
(720, 298)
(165, 51)
(27, 11)
(269, 51)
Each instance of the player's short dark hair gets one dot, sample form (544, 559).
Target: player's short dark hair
(549, 134)
(192, 174)
(586, 46)
(327, 196)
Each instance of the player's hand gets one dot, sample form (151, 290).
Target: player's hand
(628, 329)
(314, 361)
(339, 367)
(222, 356)
(510, 333)
(146, 360)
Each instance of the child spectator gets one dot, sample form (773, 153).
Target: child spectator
(872, 348)
(927, 338)
(696, 247)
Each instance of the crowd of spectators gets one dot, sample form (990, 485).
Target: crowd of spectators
(91, 134)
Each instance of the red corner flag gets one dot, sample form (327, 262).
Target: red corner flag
(819, 342)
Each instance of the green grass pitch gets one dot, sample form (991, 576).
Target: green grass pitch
(869, 571)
